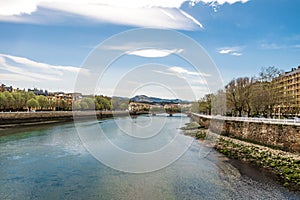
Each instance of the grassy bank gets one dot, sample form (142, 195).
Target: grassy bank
(285, 165)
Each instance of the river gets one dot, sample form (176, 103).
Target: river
(50, 162)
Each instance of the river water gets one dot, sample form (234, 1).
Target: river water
(50, 162)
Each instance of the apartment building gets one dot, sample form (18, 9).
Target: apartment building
(287, 86)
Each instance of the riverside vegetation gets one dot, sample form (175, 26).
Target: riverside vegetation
(285, 165)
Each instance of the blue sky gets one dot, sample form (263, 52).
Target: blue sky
(43, 43)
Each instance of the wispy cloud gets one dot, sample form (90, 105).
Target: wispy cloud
(146, 13)
(183, 71)
(215, 4)
(141, 13)
(233, 51)
(275, 46)
(56, 69)
(154, 53)
(16, 69)
(193, 77)
(197, 81)
(219, 2)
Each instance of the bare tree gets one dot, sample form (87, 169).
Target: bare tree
(238, 93)
(267, 78)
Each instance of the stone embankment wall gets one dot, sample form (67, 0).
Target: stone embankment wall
(19, 118)
(282, 136)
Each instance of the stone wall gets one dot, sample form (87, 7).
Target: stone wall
(285, 137)
(20, 118)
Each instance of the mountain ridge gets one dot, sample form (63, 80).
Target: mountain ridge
(155, 100)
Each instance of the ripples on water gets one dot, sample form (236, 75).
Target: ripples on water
(51, 163)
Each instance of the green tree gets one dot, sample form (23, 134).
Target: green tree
(99, 106)
(2, 100)
(29, 95)
(43, 101)
(84, 105)
(76, 105)
(9, 103)
(205, 104)
(32, 103)
(18, 104)
(62, 104)
(90, 102)
(104, 103)
(124, 106)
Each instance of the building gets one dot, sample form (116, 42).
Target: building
(287, 86)
(38, 92)
(6, 88)
(61, 100)
(135, 107)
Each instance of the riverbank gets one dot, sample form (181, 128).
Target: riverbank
(285, 165)
(14, 119)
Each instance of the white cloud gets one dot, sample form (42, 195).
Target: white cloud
(275, 46)
(234, 51)
(17, 7)
(220, 2)
(196, 80)
(142, 13)
(146, 13)
(154, 53)
(16, 77)
(56, 69)
(236, 54)
(23, 72)
(183, 71)
(191, 18)
(217, 3)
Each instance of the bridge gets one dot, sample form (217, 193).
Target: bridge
(170, 111)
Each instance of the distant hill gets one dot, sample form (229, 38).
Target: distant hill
(155, 100)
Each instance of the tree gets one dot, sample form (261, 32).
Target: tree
(272, 97)
(195, 107)
(269, 74)
(29, 95)
(205, 104)
(76, 106)
(102, 103)
(124, 106)
(258, 98)
(2, 100)
(18, 103)
(9, 103)
(63, 104)
(116, 103)
(218, 103)
(43, 102)
(99, 106)
(237, 95)
(84, 105)
(32, 103)
(90, 102)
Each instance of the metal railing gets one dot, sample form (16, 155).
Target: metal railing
(295, 122)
